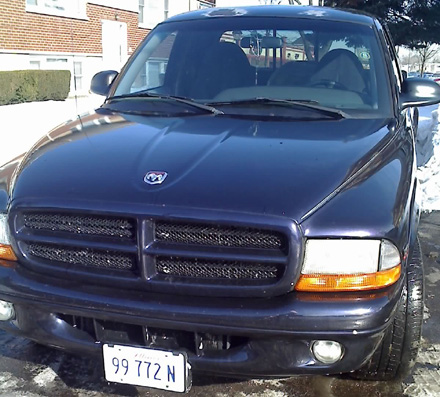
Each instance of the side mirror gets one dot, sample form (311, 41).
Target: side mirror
(404, 74)
(419, 92)
(102, 81)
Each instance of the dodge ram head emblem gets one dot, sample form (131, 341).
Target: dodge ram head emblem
(155, 177)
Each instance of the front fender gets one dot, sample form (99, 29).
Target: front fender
(378, 203)
(7, 176)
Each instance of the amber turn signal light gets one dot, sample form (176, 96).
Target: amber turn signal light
(348, 282)
(7, 253)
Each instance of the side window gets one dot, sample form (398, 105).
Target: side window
(152, 72)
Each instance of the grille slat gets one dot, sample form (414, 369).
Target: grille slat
(83, 256)
(80, 224)
(215, 269)
(218, 236)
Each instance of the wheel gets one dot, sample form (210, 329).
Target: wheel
(328, 84)
(397, 353)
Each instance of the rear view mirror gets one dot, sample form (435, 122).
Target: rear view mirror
(261, 42)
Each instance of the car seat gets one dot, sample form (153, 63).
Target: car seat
(293, 73)
(342, 69)
(224, 66)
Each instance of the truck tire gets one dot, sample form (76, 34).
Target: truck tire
(396, 355)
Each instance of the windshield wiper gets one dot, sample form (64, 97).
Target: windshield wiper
(299, 104)
(186, 101)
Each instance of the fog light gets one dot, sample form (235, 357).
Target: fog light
(7, 311)
(327, 351)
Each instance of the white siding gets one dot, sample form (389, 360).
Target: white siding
(50, 61)
(179, 6)
(154, 11)
(127, 5)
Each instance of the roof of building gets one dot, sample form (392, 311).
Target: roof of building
(279, 11)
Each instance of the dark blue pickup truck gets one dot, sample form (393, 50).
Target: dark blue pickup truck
(243, 203)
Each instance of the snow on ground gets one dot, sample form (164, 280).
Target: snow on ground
(428, 158)
(23, 124)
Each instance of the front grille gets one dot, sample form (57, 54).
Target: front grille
(82, 256)
(215, 269)
(220, 236)
(151, 253)
(80, 224)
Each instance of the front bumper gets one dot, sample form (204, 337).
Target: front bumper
(274, 335)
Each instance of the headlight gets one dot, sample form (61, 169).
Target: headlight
(348, 265)
(6, 251)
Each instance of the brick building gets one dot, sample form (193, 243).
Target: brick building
(83, 36)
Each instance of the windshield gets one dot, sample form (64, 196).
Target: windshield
(230, 61)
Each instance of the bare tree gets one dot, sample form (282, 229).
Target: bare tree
(426, 53)
(409, 60)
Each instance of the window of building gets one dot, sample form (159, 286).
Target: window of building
(165, 9)
(151, 12)
(141, 11)
(65, 8)
(54, 63)
(34, 65)
(62, 61)
(78, 75)
(205, 4)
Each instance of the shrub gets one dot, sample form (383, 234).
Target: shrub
(33, 85)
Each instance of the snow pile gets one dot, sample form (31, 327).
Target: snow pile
(23, 124)
(428, 158)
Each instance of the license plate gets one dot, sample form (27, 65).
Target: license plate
(146, 367)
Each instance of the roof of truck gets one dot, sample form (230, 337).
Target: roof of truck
(330, 14)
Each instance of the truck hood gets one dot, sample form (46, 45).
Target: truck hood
(281, 168)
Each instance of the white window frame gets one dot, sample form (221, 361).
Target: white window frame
(154, 12)
(59, 60)
(141, 5)
(42, 8)
(34, 64)
(78, 78)
(166, 9)
(124, 5)
(204, 4)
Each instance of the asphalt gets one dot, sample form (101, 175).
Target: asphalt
(28, 369)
